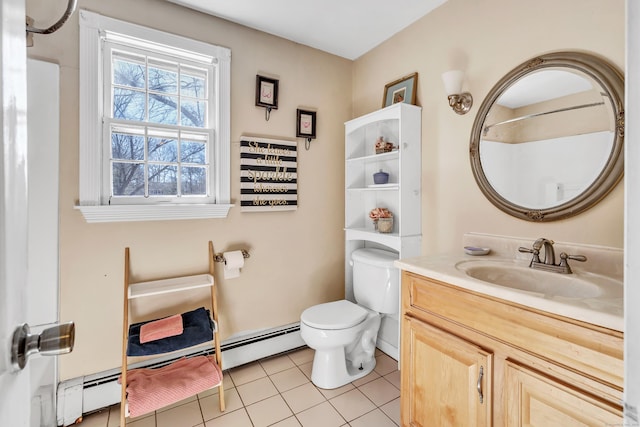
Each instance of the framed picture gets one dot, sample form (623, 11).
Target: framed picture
(401, 90)
(306, 124)
(266, 92)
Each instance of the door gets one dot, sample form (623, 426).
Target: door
(446, 381)
(28, 227)
(15, 395)
(535, 400)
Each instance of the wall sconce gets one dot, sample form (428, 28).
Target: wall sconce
(461, 102)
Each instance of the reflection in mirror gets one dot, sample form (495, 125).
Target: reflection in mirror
(547, 136)
(549, 111)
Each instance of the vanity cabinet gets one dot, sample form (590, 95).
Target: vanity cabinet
(399, 124)
(533, 399)
(538, 369)
(442, 361)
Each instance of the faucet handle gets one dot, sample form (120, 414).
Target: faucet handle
(564, 257)
(565, 265)
(534, 251)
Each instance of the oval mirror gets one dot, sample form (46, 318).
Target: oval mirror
(547, 141)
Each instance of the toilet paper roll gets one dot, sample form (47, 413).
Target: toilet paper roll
(234, 261)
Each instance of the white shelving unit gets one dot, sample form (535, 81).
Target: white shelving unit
(401, 125)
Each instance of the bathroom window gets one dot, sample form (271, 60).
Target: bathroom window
(154, 124)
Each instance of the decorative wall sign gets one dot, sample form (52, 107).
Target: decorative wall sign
(268, 174)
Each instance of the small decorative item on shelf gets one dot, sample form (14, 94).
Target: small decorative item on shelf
(382, 220)
(380, 177)
(383, 146)
(385, 225)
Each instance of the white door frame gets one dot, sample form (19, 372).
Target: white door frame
(43, 130)
(632, 218)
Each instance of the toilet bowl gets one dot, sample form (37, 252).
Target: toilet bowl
(342, 333)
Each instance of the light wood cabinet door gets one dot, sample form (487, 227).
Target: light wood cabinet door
(446, 381)
(534, 400)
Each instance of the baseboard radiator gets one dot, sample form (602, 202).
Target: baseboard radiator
(87, 394)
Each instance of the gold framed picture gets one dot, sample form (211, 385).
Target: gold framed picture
(401, 90)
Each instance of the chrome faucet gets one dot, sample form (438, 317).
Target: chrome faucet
(549, 253)
(549, 263)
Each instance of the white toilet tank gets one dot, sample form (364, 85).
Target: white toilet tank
(376, 282)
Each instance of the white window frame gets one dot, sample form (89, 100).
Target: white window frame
(93, 201)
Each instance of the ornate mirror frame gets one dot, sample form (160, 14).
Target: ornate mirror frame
(612, 82)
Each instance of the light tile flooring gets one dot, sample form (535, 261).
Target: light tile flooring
(278, 392)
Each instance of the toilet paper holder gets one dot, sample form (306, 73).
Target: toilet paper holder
(219, 257)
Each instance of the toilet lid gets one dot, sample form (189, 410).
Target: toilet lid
(341, 314)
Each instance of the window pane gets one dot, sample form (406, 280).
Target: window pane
(163, 109)
(128, 104)
(163, 150)
(163, 77)
(193, 83)
(163, 180)
(127, 146)
(128, 179)
(194, 181)
(128, 73)
(193, 152)
(193, 113)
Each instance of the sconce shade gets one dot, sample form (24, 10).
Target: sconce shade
(460, 101)
(453, 81)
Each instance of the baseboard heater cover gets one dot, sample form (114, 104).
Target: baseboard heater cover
(101, 390)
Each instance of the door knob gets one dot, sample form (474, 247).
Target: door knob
(52, 341)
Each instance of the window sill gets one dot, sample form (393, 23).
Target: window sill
(123, 213)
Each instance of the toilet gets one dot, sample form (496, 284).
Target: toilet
(344, 334)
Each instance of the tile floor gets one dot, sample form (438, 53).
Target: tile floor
(278, 392)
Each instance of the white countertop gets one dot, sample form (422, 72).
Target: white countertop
(605, 310)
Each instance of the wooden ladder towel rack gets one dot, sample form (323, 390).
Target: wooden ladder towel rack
(165, 286)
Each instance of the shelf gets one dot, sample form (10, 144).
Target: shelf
(391, 155)
(165, 286)
(378, 187)
(391, 240)
(399, 124)
(197, 328)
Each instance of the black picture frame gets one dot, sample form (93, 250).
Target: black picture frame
(266, 92)
(306, 124)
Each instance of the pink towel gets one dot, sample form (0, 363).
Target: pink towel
(161, 328)
(151, 389)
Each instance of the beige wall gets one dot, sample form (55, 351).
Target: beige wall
(487, 38)
(296, 257)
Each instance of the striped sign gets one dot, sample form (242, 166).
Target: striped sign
(268, 174)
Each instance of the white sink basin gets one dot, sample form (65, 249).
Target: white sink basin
(515, 276)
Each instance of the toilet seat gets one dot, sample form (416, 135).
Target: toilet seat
(341, 314)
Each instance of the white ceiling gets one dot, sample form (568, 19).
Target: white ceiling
(347, 28)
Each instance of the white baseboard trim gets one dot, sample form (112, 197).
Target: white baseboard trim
(87, 394)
